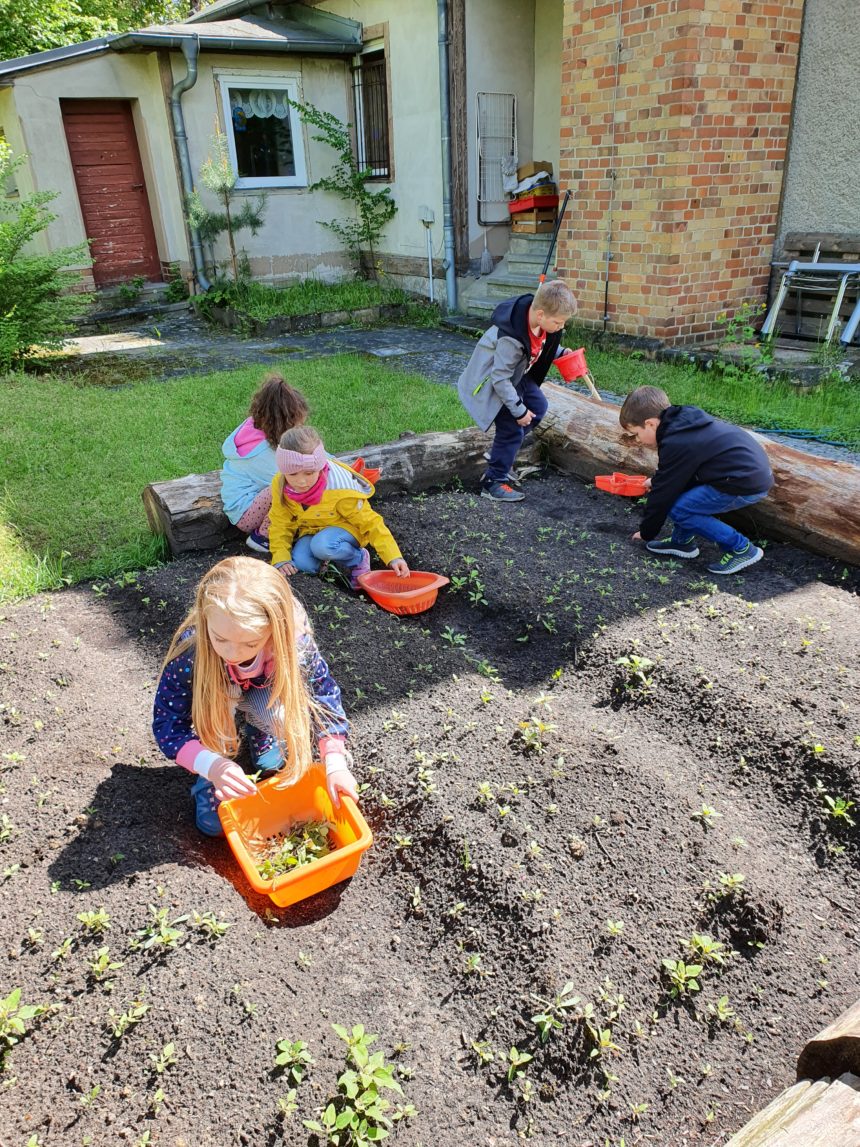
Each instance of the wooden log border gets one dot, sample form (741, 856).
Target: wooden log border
(188, 512)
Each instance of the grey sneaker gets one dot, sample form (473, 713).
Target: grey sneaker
(733, 561)
(674, 549)
(501, 492)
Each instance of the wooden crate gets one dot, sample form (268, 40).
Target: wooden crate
(538, 221)
(815, 310)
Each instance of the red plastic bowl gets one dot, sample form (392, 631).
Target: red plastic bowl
(368, 472)
(630, 485)
(412, 594)
(572, 365)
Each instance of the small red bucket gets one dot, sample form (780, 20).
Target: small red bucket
(572, 365)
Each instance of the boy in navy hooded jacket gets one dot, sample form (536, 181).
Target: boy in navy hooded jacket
(704, 467)
(501, 384)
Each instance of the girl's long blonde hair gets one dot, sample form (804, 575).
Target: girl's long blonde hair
(257, 597)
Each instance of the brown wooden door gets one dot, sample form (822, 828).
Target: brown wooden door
(111, 189)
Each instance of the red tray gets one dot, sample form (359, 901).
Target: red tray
(630, 485)
(532, 203)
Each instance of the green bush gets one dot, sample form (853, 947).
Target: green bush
(36, 308)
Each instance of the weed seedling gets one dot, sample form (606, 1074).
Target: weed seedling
(166, 1058)
(95, 923)
(706, 949)
(516, 1062)
(707, 815)
(358, 1115)
(721, 1011)
(293, 1059)
(118, 1025)
(682, 977)
(636, 670)
(209, 924)
(89, 1097)
(484, 1051)
(160, 932)
(614, 928)
(838, 809)
(102, 965)
(555, 1011)
(14, 1018)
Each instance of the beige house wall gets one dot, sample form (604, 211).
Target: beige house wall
(549, 29)
(821, 176)
(499, 58)
(413, 61)
(37, 96)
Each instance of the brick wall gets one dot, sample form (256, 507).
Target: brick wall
(690, 184)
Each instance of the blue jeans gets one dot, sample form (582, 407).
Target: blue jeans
(509, 433)
(694, 511)
(330, 545)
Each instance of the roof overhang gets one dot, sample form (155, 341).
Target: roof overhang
(316, 33)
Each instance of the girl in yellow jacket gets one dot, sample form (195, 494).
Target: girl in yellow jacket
(321, 512)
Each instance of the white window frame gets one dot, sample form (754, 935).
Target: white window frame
(291, 87)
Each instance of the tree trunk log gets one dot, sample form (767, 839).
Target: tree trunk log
(834, 1050)
(815, 502)
(822, 1114)
(188, 511)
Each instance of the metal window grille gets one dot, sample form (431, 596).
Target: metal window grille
(496, 123)
(370, 89)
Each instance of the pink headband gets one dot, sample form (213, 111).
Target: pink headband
(291, 461)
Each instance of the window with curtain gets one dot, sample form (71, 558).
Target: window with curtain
(370, 91)
(263, 132)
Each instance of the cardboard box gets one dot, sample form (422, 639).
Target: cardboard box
(525, 170)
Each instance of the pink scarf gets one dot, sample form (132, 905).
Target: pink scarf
(313, 495)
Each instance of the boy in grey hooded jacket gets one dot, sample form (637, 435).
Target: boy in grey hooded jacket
(501, 384)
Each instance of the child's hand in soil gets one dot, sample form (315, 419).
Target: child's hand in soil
(400, 567)
(287, 568)
(229, 780)
(338, 778)
(637, 537)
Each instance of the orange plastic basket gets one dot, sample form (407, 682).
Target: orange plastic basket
(275, 808)
(572, 365)
(412, 594)
(630, 485)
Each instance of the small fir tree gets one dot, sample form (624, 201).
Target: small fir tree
(373, 209)
(36, 303)
(218, 176)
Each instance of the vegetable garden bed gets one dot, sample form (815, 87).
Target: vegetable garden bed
(561, 831)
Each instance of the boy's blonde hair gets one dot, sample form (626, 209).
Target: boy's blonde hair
(641, 403)
(302, 439)
(555, 299)
(257, 597)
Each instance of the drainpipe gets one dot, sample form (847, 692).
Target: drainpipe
(190, 50)
(447, 197)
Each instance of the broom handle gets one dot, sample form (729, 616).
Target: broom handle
(554, 237)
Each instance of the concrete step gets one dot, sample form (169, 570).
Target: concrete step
(526, 262)
(536, 245)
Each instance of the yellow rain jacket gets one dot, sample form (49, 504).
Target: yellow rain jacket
(345, 503)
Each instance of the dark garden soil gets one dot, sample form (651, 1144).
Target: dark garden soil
(524, 790)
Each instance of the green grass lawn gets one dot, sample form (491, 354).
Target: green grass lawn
(832, 411)
(74, 459)
(260, 301)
